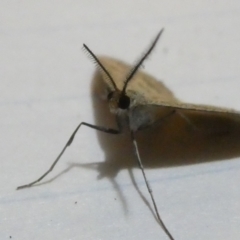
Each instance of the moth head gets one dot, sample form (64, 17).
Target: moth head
(117, 98)
(118, 102)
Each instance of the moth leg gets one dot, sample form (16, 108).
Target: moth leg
(102, 129)
(140, 193)
(148, 187)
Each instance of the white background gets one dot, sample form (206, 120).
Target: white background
(45, 92)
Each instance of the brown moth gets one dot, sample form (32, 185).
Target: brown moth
(139, 102)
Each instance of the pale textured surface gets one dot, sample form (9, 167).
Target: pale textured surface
(45, 93)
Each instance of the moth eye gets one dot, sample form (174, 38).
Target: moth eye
(124, 102)
(110, 95)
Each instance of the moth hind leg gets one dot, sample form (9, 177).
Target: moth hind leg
(187, 119)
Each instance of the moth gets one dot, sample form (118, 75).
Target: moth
(138, 102)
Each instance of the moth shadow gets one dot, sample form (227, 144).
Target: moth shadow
(173, 142)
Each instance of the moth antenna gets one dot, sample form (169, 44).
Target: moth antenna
(99, 65)
(140, 62)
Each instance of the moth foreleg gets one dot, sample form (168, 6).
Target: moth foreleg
(99, 128)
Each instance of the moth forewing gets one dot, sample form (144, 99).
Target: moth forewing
(143, 116)
(196, 107)
(196, 133)
(151, 100)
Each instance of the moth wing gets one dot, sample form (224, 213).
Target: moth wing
(189, 136)
(213, 118)
(199, 116)
(143, 86)
(195, 107)
(152, 100)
